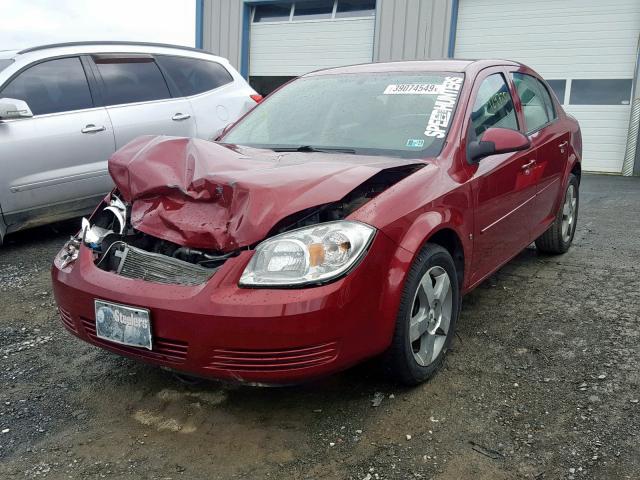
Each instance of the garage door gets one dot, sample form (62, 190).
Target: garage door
(290, 39)
(587, 48)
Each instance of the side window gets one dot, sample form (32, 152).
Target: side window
(130, 80)
(493, 106)
(53, 86)
(192, 76)
(536, 102)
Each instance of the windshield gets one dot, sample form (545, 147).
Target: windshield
(4, 63)
(396, 114)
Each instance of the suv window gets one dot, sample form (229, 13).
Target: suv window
(536, 102)
(53, 86)
(493, 106)
(130, 80)
(192, 76)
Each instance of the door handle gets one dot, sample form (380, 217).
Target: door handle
(563, 144)
(180, 116)
(528, 165)
(91, 128)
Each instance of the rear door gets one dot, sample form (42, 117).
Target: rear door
(216, 98)
(56, 158)
(550, 139)
(503, 186)
(138, 99)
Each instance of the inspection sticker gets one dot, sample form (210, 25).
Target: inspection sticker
(415, 142)
(414, 89)
(443, 107)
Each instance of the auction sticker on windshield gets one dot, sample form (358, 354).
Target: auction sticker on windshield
(414, 89)
(122, 324)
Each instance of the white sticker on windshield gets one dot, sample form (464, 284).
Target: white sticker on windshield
(413, 89)
(443, 108)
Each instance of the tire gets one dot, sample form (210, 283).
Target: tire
(556, 239)
(422, 317)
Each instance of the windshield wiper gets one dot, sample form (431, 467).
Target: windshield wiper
(309, 148)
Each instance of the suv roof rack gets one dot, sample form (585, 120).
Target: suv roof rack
(108, 42)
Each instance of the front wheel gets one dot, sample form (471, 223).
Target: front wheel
(557, 239)
(427, 317)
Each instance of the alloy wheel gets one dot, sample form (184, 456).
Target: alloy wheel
(430, 315)
(569, 212)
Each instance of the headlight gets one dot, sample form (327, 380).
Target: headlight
(308, 255)
(68, 254)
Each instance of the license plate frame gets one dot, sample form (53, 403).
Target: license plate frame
(123, 324)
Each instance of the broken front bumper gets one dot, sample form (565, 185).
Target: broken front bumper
(220, 330)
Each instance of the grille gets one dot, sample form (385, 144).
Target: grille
(154, 267)
(67, 320)
(164, 349)
(273, 360)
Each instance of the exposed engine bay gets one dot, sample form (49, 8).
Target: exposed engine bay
(121, 249)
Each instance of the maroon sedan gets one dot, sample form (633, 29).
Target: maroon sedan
(343, 218)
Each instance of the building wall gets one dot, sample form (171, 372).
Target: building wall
(412, 29)
(222, 29)
(405, 29)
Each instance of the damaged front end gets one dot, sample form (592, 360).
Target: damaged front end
(119, 248)
(183, 207)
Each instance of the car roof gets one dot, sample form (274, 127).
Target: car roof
(78, 48)
(104, 43)
(444, 65)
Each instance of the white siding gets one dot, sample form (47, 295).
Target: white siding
(567, 39)
(295, 48)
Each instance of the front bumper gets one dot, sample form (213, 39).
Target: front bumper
(219, 330)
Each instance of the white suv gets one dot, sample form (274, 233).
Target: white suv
(65, 108)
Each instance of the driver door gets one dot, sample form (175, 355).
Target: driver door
(503, 186)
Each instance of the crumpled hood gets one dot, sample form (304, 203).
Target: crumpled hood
(200, 194)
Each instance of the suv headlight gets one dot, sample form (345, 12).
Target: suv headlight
(308, 255)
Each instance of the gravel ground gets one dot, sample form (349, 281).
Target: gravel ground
(543, 383)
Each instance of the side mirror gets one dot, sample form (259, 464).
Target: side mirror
(12, 108)
(497, 140)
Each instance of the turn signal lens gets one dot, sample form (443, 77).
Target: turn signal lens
(256, 98)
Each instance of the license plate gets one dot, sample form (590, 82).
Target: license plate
(122, 324)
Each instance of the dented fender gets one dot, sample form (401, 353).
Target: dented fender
(444, 203)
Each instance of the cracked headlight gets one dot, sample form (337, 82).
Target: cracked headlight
(309, 255)
(68, 254)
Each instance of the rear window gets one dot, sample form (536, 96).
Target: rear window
(192, 76)
(130, 80)
(536, 103)
(396, 114)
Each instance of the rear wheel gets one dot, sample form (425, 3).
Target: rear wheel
(558, 238)
(427, 316)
